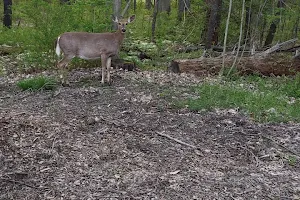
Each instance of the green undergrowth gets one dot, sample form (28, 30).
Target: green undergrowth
(37, 83)
(263, 99)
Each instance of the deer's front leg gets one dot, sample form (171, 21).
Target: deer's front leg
(103, 64)
(108, 65)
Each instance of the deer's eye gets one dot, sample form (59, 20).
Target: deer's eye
(120, 23)
(126, 23)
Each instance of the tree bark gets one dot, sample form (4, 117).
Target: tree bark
(134, 5)
(269, 66)
(296, 27)
(247, 24)
(213, 22)
(155, 11)
(164, 6)
(7, 18)
(117, 11)
(183, 6)
(273, 26)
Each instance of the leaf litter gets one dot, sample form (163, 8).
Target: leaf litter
(126, 141)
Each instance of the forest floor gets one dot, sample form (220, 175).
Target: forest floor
(126, 141)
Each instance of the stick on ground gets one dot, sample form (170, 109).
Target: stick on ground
(176, 140)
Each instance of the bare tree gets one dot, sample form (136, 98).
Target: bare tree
(164, 6)
(183, 6)
(117, 11)
(296, 26)
(213, 22)
(155, 11)
(225, 37)
(248, 21)
(134, 5)
(7, 18)
(240, 38)
(273, 26)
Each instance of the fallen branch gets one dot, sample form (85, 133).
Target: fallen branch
(269, 51)
(279, 47)
(177, 140)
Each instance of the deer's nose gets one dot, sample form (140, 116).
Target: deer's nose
(123, 30)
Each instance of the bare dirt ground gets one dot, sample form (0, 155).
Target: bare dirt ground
(125, 141)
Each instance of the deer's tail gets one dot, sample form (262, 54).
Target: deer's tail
(57, 48)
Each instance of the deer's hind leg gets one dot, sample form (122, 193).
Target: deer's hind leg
(104, 60)
(62, 67)
(108, 65)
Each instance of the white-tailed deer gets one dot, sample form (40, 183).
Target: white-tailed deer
(89, 46)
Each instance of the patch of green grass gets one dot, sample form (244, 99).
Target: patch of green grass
(292, 160)
(264, 99)
(37, 83)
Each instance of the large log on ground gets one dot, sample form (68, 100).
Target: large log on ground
(271, 65)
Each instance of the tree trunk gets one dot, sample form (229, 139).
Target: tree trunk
(155, 11)
(7, 19)
(296, 27)
(134, 5)
(125, 11)
(164, 6)
(247, 24)
(183, 6)
(274, 24)
(213, 22)
(117, 11)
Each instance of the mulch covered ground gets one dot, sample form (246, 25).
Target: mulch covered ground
(126, 141)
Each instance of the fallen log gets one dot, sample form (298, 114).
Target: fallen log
(267, 66)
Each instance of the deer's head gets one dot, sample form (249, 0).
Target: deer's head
(122, 23)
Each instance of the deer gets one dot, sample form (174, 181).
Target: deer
(91, 46)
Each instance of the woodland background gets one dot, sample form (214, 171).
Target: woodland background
(163, 28)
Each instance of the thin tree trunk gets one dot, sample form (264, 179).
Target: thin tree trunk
(117, 11)
(296, 27)
(240, 38)
(247, 22)
(183, 6)
(155, 11)
(134, 5)
(126, 8)
(225, 37)
(273, 26)
(7, 18)
(213, 23)
(164, 6)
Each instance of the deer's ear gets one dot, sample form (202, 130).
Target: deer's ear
(115, 19)
(131, 19)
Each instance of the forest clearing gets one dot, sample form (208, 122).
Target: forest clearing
(201, 99)
(123, 141)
